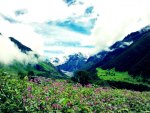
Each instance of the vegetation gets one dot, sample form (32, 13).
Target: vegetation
(82, 77)
(39, 87)
(135, 59)
(121, 80)
(115, 76)
(41, 68)
(41, 95)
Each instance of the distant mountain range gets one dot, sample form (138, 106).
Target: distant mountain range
(41, 68)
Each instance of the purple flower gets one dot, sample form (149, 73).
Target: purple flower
(36, 80)
(29, 88)
(103, 100)
(24, 99)
(31, 80)
(47, 98)
(97, 90)
(69, 104)
(89, 85)
(47, 80)
(56, 106)
(30, 96)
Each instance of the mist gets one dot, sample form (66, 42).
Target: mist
(117, 20)
(10, 52)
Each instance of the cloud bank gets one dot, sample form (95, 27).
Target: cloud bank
(90, 23)
(9, 53)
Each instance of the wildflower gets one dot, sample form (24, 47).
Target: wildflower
(103, 100)
(29, 88)
(47, 80)
(97, 90)
(31, 80)
(89, 85)
(78, 85)
(61, 89)
(47, 98)
(39, 100)
(24, 99)
(56, 106)
(69, 104)
(30, 96)
(46, 89)
(36, 80)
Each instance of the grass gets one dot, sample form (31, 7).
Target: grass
(121, 80)
(113, 75)
(42, 95)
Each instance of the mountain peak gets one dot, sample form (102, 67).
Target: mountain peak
(73, 62)
(22, 47)
(145, 29)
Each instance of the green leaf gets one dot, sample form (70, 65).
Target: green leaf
(64, 101)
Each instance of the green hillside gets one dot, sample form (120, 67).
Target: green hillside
(135, 60)
(41, 68)
(33, 65)
(121, 80)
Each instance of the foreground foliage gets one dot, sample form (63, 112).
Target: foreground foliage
(41, 95)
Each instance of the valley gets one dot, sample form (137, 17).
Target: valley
(110, 81)
(74, 56)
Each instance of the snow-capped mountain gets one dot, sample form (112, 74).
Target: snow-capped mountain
(80, 62)
(58, 61)
(73, 62)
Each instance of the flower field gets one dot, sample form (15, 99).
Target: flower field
(41, 95)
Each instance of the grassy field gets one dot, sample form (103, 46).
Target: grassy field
(112, 75)
(41, 95)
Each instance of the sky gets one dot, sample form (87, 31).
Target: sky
(55, 28)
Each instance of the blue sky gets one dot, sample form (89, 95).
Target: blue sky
(62, 27)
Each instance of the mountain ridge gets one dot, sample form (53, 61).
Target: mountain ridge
(39, 66)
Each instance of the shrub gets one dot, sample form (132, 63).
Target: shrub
(31, 75)
(21, 75)
(83, 77)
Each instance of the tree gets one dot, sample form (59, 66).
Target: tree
(21, 74)
(31, 75)
(83, 77)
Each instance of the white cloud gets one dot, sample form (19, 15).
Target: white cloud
(22, 32)
(40, 10)
(117, 18)
(10, 52)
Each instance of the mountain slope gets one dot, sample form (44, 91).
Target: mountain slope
(117, 48)
(135, 59)
(121, 46)
(92, 60)
(30, 63)
(22, 47)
